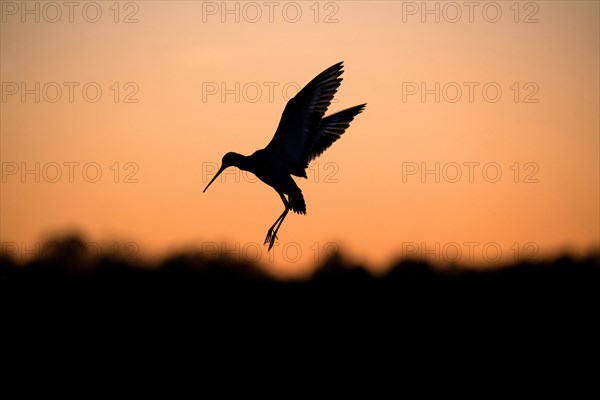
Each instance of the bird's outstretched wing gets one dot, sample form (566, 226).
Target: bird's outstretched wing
(301, 119)
(330, 130)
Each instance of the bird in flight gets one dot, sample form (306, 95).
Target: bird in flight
(302, 135)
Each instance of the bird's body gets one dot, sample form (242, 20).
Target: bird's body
(302, 135)
(266, 167)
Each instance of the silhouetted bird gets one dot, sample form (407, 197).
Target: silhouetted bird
(302, 135)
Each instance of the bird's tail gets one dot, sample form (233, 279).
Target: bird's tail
(296, 202)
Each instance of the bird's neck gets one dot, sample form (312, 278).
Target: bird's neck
(242, 162)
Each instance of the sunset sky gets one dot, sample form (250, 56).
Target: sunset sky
(152, 94)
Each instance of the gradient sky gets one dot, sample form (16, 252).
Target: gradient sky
(364, 193)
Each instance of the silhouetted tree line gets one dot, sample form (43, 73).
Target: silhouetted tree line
(195, 295)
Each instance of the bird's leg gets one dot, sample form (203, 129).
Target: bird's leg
(278, 226)
(272, 228)
(272, 233)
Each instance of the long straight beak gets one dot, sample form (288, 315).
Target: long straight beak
(215, 177)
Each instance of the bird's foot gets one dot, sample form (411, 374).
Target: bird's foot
(271, 237)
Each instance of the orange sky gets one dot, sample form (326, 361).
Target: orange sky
(364, 193)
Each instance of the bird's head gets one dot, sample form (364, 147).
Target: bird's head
(229, 160)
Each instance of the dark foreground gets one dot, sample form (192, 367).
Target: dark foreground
(63, 298)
